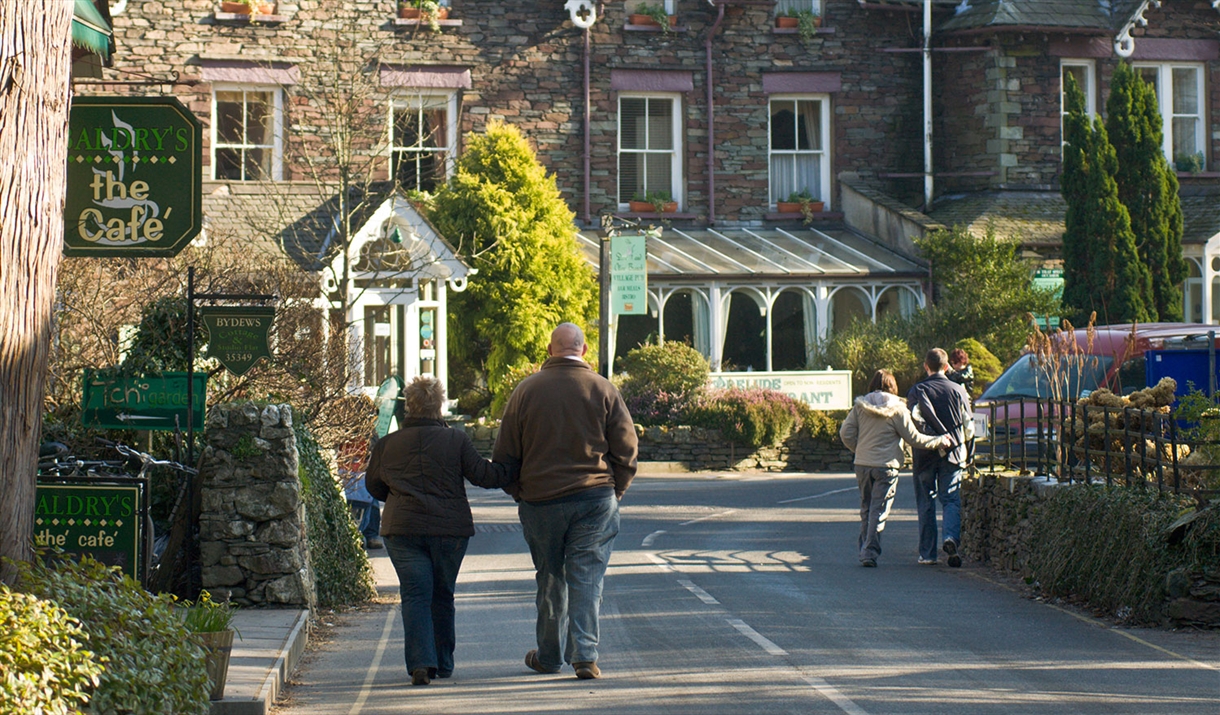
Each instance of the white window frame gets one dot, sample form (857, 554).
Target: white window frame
(1165, 101)
(783, 6)
(676, 164)
(420, 100)
(827, 143)
(277, 129)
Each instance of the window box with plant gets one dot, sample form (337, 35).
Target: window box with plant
(212, 624)
(805, 22)
(646, 15)
(652, 202)
(248, 7)
(428, 12)
(801, 202)
(1189, 163)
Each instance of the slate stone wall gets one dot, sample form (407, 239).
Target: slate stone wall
(252, 522)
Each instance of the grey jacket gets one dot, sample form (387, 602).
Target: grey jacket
(876, 428)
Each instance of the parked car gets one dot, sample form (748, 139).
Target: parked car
(1017, 418)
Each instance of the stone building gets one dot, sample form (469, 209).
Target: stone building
(723, 113)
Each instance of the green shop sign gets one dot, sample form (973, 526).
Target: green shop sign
(135, 177)
(101, 520)
(143, 403)
(237, 336)
(629, 275)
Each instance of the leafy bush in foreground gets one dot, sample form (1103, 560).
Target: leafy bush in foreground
(43, 655)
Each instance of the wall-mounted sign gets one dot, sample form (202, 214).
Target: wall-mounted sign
(629, 275)
(143, 403)
(820, 389)
(238, 336)
(101, 520)
(135, 177)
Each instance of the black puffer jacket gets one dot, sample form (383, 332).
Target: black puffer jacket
(418, 472)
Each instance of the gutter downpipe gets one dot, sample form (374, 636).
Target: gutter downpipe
(927, 105)
(588, 118)
(711, 126)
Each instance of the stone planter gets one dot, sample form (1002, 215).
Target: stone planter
(643, 207)
(217, 646)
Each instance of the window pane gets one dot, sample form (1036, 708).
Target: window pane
(258, 164)
(406, 169)
(660, 124)
(808, 170)
(783, 126)
(630, 176)
(228, 117)
(1185, 91)
(1184, 136)
(631, 123)
(228, 164)
(1151, 76)
(258, 123)
(809, 125)
(658, 172)
(1081, 75)
(782, 176)
(406, 127)
(434, 128)
(432, 170)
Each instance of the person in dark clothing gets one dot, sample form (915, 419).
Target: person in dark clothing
(960, 370)
(418, 472)
(940, 407)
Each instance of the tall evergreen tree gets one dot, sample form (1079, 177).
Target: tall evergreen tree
(1102, 270)
(1147, 186)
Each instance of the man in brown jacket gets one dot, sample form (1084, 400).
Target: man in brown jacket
(570, 429)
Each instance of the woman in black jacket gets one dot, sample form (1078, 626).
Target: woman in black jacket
(418, 471)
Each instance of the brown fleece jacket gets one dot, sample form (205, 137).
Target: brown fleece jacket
(571, 431)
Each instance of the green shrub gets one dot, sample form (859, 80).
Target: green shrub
(43, 655)
(987, 367)
(672, 367)
(152, 665)
(1107, 545)
(822, 425)
(342, 573)
(752, 418)
(864, 347)
(504, 389)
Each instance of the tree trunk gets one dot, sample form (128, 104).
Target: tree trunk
(35, 68)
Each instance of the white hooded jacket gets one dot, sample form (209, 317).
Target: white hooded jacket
(876, 428)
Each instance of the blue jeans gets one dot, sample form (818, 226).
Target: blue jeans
(570, 542)
(877, 487)
(939, 480)
(427, 569)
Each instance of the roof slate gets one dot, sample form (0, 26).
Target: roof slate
(1097, 14)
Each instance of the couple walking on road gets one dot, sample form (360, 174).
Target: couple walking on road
(566, 452)
(935, 419)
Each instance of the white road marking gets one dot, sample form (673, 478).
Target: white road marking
(372, 674)
(818, 496)
(651, 538)
(702, 595)
(757, 637)
(660, 562)
(705, 518)
(829, 692)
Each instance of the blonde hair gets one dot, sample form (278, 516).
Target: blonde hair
(424, 397)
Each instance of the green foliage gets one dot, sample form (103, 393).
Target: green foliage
(245, 447)
(43, 655)
(752, 418)
(509, 218)
(987, 367)
(342, 573)
(658, 199)
(1102, 271)
(151, 663)
(672, 367)
(864, 347)
(1107, 545)
(208, 616)
(820, 424)
(159, 344)
(1147, 186)
(1190, 163)
(983, 291)
(508, 383)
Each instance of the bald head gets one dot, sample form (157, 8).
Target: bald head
(567, 340)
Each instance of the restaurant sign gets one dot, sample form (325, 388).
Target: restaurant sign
(820, 389)
(100, 520)
(238, 335)
(135, 177)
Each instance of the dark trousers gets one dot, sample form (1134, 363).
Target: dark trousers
(427, 569)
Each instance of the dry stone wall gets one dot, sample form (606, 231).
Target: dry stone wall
(252, 522)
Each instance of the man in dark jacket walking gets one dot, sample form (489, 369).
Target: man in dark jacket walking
(940, 407)
(577, 445)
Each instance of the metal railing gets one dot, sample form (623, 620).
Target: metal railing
(1077, 442)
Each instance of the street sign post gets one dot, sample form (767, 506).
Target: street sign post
(1048, 279)
(143, 403)
(237, 335)
(629, 274)
(135, 177)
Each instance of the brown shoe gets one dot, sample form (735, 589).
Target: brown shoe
(587, 671)
(531, 659)
(419, 676)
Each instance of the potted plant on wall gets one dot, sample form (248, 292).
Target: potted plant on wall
(429, 11)
(653, 202)
(801, 202)
(652, 15)
(806, 22)
(248, 7)
(212, 623)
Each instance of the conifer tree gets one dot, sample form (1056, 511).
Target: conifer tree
(507, 214)
(1147, 186)
(1102, 270)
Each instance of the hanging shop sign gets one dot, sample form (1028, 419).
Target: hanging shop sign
(135, 177)
(143, 403)
(238, 335)
(100, 520)
(629, 275)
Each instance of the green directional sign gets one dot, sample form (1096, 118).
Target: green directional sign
(237, 336)
(135, 177)
(144, 403)
(101, 520)
(629, 275)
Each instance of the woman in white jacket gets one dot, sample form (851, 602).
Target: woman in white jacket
(874, 430)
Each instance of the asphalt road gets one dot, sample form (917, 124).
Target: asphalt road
(743, 594)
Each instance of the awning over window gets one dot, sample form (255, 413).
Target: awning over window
(426, 77)
(90, 31)
(245, 72)
(651, 81)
